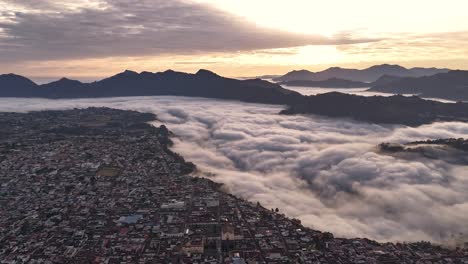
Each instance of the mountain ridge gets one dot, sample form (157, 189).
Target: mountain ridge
(452, 85)
(369, 74)
(397, 109)
(329, 83)
(13, 84)
(204, 83)
(411, 111)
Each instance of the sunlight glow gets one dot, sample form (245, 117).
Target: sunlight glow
(335, 16)
(426, 33)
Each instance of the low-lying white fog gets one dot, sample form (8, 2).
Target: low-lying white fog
(319, 90)
(326, 172)
(357, 91)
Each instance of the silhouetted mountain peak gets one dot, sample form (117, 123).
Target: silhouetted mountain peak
(66, 80)
(387, 66)
(16, 86)
(9, 75)
(129, 73)
(296, 75)
(146, 74)
(206, 73)
(450, 85)
(12, 76)
(301, 71)
(335, 68)
(370, 74)
(334, 94)
(171, 73)
(14, 80)
(63, 83)
(126, 73)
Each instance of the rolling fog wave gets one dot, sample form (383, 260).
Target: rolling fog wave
(356, 91)
(326, 172)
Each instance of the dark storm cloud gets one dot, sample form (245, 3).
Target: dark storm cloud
(47, 30)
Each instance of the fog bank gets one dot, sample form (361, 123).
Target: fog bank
(326, 172)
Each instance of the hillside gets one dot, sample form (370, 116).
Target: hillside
(452, 85)
(330, 83)
(12, 85)
(411, 111)
(128, 83)
(370, 74)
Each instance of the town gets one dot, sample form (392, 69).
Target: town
(100, 185)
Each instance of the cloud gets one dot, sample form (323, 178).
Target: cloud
(326, 172)
(49, 6)
(449, 46)
(35, 30)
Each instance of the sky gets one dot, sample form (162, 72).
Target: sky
(91, 39)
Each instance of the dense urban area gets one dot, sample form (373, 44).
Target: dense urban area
(101, 186)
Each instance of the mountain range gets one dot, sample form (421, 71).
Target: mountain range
(410, 111)
(397, 109)
(330, 83)
(370, 74)
(384, 80)
(129, 83)
(342, 83)
(452, 85)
